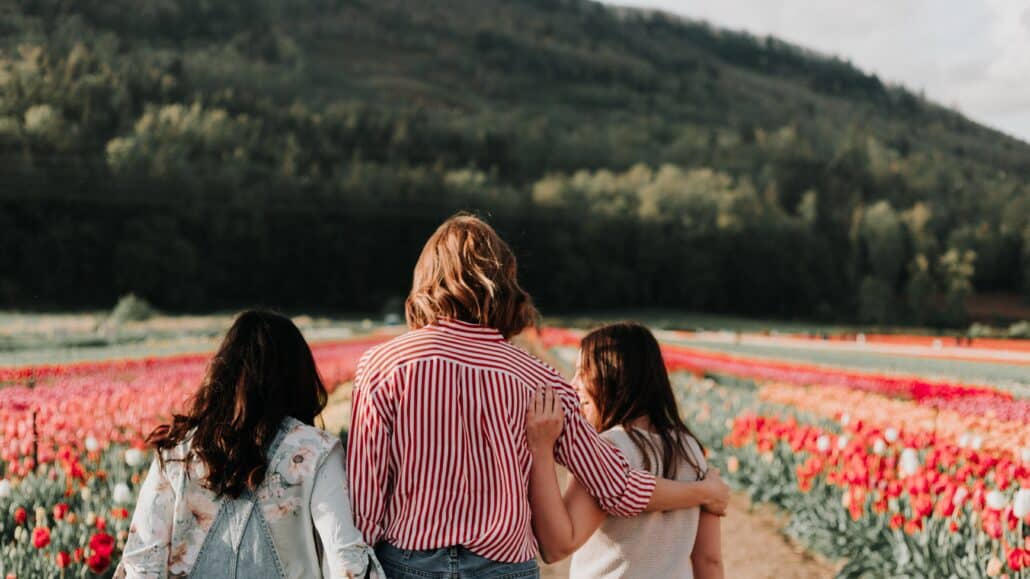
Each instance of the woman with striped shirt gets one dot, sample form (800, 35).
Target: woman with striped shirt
(438, 462)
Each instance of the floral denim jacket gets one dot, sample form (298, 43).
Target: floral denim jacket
(303, 504)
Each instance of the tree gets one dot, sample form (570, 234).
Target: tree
(920, 289)
(875, 301)
(957, 269)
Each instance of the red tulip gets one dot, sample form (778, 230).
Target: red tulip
(63, 559)
(102, 543)
(913, 526)
(897, 521)
(20, 516)
(98, 563)
(1019, 559)
(60, 509)
(40, 537)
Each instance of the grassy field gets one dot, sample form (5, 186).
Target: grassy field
(31, 338)
(679, 320)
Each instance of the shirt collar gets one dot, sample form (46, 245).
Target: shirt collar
(468, 330)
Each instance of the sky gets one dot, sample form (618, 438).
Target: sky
(971, 55)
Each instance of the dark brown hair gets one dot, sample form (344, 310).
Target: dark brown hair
(622, 368)
(467, 272)
(263, 372)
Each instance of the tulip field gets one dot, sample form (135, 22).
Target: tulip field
(891, 475)
(887, 474)
(72, 452)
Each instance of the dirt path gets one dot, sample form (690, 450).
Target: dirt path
(753, 546)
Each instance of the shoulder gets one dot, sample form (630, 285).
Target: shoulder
(410, 346)
(618, 437)
(695, 450)
(385, 353)
(179, 452)
(615, 434)
(303, 440)
(379, 361)
(527, 365)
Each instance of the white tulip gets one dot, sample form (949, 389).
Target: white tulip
(843, 441)
(1021, 504)
(909, 464)
(879, 447)
(845, 419)
(963, 441)
(996, 500)
(92, 445)
(133, 457)
(960, 496)
(823, 443)
(860, 338)
(122, 494)
(86, 493)
(5, 489)
(1025, 454)
(977, 442)
(891, 434)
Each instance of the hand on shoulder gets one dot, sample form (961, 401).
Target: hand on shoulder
(718, 491)
(545, 418)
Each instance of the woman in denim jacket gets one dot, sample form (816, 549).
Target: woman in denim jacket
(244, 485)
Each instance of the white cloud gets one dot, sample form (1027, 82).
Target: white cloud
(970, 54)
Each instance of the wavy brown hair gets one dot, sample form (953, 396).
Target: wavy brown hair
(263, 372)
(622, 368)
(467, 272)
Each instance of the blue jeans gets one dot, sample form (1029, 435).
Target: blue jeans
(449, 563)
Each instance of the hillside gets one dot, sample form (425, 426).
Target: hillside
(667, 146)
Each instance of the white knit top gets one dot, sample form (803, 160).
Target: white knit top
(648, 545)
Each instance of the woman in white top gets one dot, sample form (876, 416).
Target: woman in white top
(626, 394)
(244, 485)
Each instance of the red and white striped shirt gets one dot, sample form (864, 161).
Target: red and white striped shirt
(437, 447)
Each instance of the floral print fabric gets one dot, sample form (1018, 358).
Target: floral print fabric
(305, 489)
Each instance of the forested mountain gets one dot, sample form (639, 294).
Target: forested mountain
(209, 154)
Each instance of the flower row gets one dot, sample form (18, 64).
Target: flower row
(72, 458)
(908, 479)
(982, 432)
(884, 499)
(933, 392)
(82, 412)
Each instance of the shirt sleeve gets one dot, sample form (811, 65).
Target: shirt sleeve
(598, 465)
(367, 446)
(146, 549)
(346, 553)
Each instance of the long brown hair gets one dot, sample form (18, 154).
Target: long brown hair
(622, 368)
(467, 272)
(263, 372)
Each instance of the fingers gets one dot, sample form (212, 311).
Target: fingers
(717, 509)
(545, 404)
